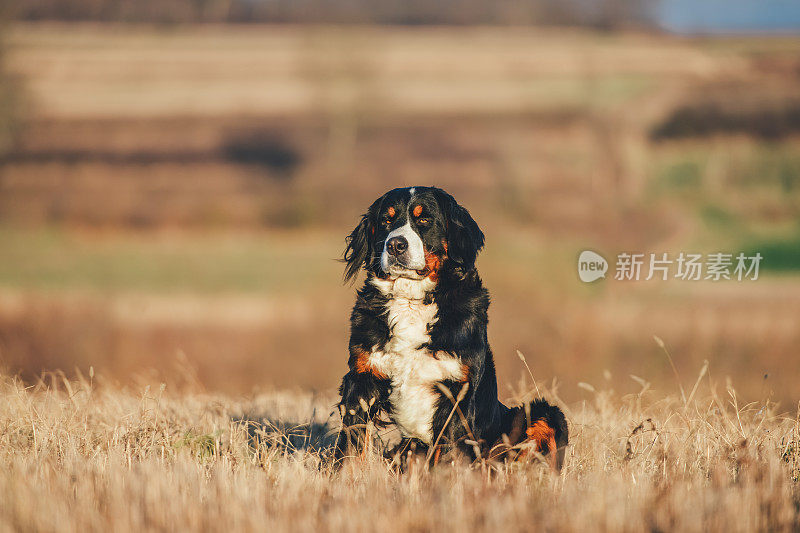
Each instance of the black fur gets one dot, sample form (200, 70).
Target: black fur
(451, 235)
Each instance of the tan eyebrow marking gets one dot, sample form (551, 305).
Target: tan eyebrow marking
(390, 211)
(417, 211)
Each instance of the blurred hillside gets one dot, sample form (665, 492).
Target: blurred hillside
(683, 16)
(595, 13)
(177, 196)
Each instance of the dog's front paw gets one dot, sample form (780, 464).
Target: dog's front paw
(363, 398)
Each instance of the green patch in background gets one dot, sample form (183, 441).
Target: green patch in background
(778, 254)
(276, 262)
(771, 165)
(722, 168)
(683, 175)
(718, 218)
(736, 194)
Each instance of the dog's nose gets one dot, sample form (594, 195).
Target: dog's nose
(396, 245)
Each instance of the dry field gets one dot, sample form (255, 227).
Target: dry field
(97, 71)
(239, 308)
(256, 126)
(180, 194)
(173, 207)
(87, 456)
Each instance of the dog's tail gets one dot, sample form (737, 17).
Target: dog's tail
(538, 426)
(547, 425)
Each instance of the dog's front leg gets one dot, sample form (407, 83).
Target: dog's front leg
(363, 397)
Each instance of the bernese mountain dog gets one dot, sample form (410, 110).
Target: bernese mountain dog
(419, 352)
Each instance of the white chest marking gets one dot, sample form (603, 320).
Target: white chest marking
(414, 371)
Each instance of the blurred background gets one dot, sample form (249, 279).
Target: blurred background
(177, 179)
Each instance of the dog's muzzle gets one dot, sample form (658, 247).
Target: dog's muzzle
(403, 253)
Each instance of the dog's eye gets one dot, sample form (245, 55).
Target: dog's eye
(388, 216)
(424, 221)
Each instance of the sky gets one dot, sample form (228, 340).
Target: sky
(722, 16)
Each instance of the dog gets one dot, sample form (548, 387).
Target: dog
(419, 352)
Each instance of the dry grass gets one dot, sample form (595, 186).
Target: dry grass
(76, 456)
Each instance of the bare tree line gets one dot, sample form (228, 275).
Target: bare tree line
(592, 13)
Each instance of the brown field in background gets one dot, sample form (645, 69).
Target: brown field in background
(176, 199)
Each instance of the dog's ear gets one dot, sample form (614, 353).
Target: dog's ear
(359, 242)
(464, 237)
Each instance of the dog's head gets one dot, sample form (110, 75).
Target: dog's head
(413, 232)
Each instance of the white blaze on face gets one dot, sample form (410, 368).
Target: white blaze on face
(414, 256)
